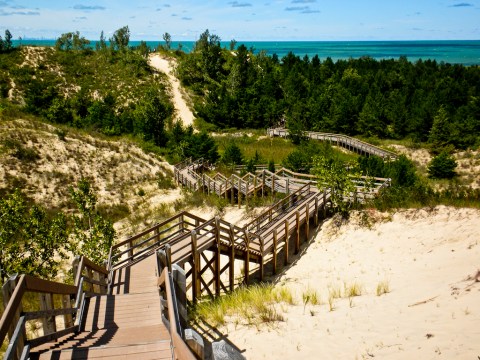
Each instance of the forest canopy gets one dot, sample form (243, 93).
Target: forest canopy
(396, 98)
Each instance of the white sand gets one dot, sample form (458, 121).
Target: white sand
(182, 110)
(430, 260)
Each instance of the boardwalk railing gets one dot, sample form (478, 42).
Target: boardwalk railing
(345, 141)
(89, 280)
(171, 308)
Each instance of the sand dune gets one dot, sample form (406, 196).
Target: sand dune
(429, 258)
(182, 110)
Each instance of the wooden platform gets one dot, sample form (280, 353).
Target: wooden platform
(125, 325)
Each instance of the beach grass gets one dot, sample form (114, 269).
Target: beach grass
(251, 305)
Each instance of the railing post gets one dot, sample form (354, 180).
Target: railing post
(231, 269)
(130, 250)
(66, 304)
(239, 192)
(287, 183)
(263, 183)
(75, 264)
(247, 185)
(286, 241)
(7, 291)
(48, 323)
(273, 185)
(196, 284)
(316, 211)
(246, 266)
(297, 239)
(217, 257)
(274, 251)
(307, 220)
(262, 265)
(324, 204)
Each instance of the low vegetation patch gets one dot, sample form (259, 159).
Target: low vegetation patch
(253, 305)
(383, 287)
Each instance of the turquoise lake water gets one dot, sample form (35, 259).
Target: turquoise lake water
(466, 52)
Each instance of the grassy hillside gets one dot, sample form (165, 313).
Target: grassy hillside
(75, 75)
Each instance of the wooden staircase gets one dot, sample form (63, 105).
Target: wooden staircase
(135, 307)
(126, 325)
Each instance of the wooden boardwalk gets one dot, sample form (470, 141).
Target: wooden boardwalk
(125, 325)
(135, 307)
(344, 141)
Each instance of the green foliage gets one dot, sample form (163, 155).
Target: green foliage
(402, 172)
(386, 98)
(184, 143)
(120, 38)
(271, 166)
(93, 234)
(232, 155)
(168, 40)
(31, 241)
(301, 159)
(7, 44)
(333, 174)
(442, 166)
(151, 115)
(71, 41)
(112, 92)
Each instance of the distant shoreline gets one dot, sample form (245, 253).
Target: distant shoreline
(465, 52)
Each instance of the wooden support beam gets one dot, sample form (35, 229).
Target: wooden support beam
(247, 185)
(217, 257)
(48, 323)
(246, 266)
(262, 265)
(196, 284)
(297, 228)
(66, 304)
(273, 185)
(263, 183)
(275, 251)
(316, 212)
(231, 270)
(239, 192)
(231, 191)
(307, 221)
(286, 241)
(324, 204)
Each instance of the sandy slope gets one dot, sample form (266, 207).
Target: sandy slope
(164, 65)
(430, 260)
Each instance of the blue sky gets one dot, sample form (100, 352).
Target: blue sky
(246, 20)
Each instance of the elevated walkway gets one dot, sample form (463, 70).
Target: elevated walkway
(344, 141)
(135, 306)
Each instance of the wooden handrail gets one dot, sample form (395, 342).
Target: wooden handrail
(180, 348)
(32, 284)
(315, 135)
(12, 307)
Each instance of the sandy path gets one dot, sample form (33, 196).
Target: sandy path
(182, 110)
(429, 259)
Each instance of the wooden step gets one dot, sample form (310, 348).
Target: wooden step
(145, 351)
(122, 311)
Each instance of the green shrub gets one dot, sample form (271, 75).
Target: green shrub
(442, 166)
